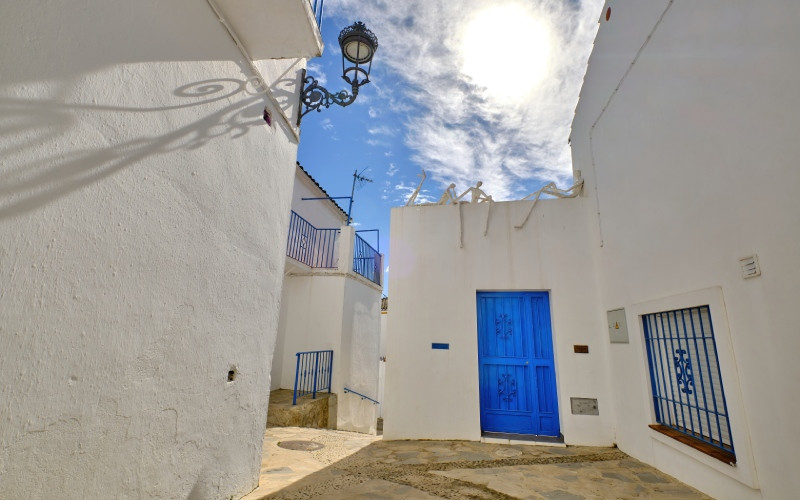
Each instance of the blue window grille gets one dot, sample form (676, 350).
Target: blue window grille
(685, 377)
(367, 260)
(312, 246)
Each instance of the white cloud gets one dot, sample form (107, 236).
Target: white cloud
(392, 170)
(403, 191)
(373, 113)
(461, 132)
(326, 124)
(382, 130)
(315, 70)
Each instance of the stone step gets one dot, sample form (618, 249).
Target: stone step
(319, 413)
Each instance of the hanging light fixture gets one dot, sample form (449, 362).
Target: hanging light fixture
(358, 46)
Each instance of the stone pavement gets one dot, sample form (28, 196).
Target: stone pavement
(358, 466)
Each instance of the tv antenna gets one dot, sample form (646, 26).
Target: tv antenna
(361, 180)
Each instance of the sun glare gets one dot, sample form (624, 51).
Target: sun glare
(506, 50)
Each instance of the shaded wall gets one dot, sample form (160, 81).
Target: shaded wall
(690, 158)
(140, 192)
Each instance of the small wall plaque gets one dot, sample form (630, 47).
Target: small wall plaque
(581, 349)
(440, 346)
(584, 406)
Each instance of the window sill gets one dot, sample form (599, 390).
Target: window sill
(721, 455)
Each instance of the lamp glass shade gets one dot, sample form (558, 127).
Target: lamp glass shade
(357, 50)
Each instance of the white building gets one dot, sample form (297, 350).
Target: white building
(330, 302)
(148, 155)
(686, 232)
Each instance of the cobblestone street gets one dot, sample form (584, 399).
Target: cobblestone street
(351, 466)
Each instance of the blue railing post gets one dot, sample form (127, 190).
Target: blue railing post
(296, 372)
(316, 372)
(330, 370)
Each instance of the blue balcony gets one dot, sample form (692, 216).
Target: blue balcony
(320, 248)
(316, 248)
(367, 261)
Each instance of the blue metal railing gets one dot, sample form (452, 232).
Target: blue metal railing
(312, 246)
(366, 260)
(346, 390)
(312, 373)
(316, 6)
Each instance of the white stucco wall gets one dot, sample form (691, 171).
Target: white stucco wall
(140, 195)
(339, 310)
(694, 161)
(434, 393)
(322, 214)
(382, 365)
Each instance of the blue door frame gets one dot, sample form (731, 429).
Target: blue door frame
(515, 357)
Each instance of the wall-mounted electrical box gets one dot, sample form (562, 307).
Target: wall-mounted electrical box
(617, 327)
(584, 406)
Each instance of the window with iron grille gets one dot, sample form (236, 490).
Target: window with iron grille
(686, 381)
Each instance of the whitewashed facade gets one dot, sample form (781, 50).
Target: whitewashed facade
(684, 134)
(141, 191)
(326, 305)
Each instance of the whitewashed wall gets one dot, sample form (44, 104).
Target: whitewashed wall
(339, 310)
(434, 393)
(322, 214)
(382, 365)
(140, 196)
(692, 166)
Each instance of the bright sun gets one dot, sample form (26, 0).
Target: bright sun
(506, 50)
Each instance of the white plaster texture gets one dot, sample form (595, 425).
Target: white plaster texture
(690, 158)
(322, 214)
(262, 27)
(434, 393)
(330, 309)
(141, 194)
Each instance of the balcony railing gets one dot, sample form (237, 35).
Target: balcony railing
(312, 373)
(316, 6)
(367, 260)
(312, 246)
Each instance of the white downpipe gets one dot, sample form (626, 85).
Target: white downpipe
(260, 84)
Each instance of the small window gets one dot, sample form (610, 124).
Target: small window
(686, 381)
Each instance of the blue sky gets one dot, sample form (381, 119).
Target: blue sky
(469, 90)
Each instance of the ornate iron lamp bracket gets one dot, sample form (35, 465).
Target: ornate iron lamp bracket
(314, 96)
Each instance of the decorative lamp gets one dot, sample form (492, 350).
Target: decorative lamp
(358, 46)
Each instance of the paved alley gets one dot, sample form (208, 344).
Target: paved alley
(340, 465)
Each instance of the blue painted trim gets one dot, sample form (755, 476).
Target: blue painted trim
(346, 390)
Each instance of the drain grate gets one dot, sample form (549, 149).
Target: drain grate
(301, 445)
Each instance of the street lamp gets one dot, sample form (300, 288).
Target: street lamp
(358, 46)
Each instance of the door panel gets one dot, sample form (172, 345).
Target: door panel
(517, 373)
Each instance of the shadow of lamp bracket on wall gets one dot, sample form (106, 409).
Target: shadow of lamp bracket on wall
(358, 46)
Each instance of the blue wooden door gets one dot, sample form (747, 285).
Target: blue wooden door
(517, 373)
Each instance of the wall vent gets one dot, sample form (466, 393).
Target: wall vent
(750, 267)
